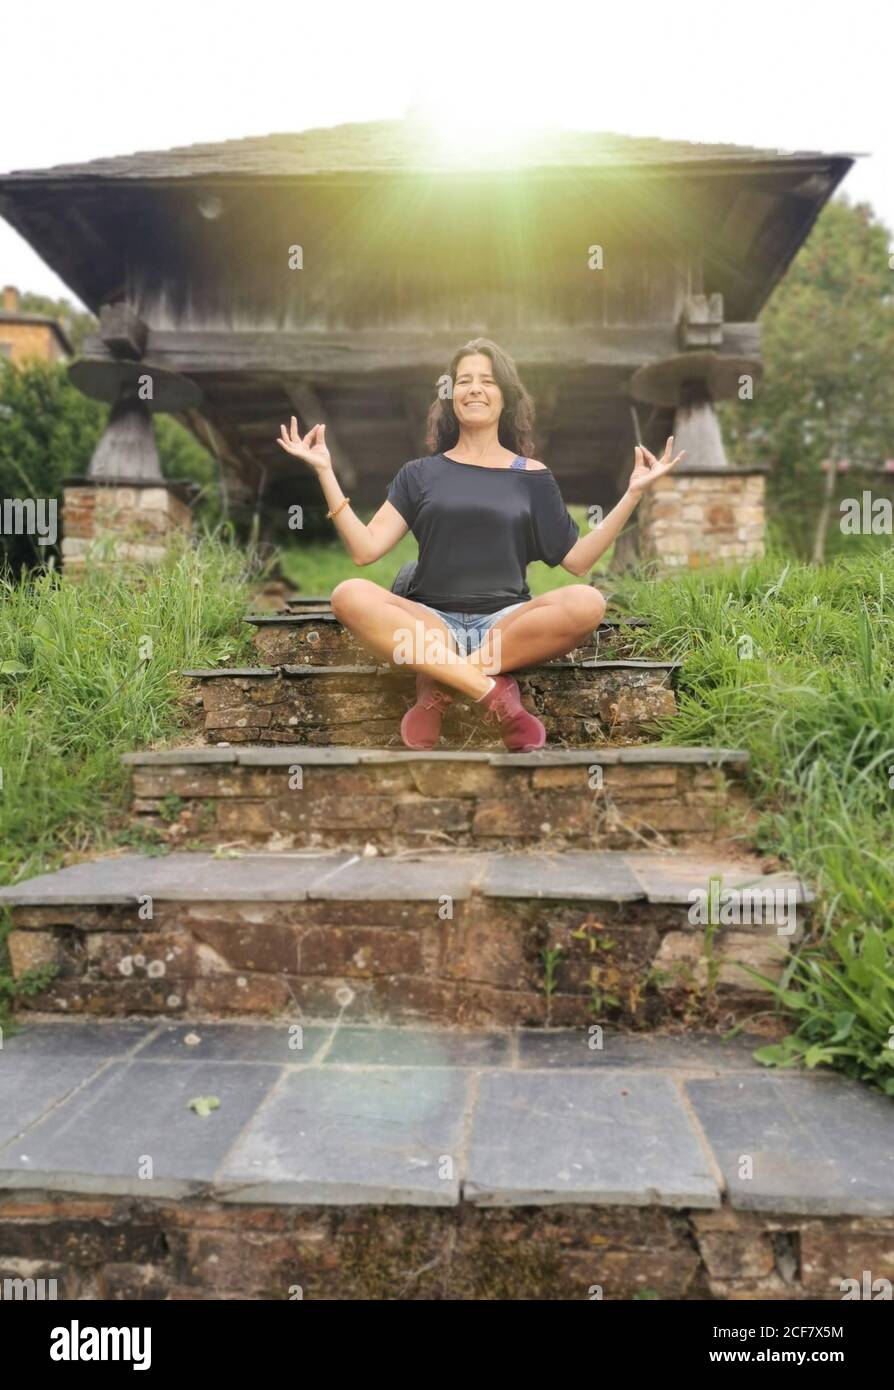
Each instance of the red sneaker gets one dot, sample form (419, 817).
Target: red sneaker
(421, 725)
(520, 730)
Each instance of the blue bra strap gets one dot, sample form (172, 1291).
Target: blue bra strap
(519, 462)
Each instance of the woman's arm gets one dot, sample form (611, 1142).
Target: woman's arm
(363, 543)
(646, 469)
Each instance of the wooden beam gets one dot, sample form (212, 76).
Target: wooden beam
(123, 331)
(306, 401)
(701, 322)
(404, 354)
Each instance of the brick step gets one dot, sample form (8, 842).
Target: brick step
(583, 705)
(465, 939)
(296, 797)
(383, 1164)
(313, 636)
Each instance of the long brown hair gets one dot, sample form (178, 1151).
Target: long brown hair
(515, 429)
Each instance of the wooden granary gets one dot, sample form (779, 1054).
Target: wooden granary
(332, 273)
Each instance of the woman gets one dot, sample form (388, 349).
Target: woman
(481, 511)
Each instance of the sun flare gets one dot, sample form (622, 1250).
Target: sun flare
(493, 132)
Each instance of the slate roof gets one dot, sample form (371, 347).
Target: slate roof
(403, 146)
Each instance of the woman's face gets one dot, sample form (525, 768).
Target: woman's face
(477, 399)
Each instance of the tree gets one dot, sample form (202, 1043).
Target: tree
(828, 388)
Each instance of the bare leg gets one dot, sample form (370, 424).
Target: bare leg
(388, 625)
(544, 628)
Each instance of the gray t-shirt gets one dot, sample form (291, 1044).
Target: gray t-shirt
(478, 530)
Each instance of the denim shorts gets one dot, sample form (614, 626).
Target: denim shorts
(469, 629)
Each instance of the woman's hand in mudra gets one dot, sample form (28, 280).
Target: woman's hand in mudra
(311, 449)
(647, 468)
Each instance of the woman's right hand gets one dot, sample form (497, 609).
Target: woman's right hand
(311, 449)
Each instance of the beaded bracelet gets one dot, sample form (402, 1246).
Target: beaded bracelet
(343, 503)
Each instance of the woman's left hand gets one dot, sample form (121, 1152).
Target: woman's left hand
(647, 468)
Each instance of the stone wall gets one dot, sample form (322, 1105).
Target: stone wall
(320, 640)
(639, 964)
(121, 1248)
(402, 805)
(693, 519)
(125, 523)
(361, 706)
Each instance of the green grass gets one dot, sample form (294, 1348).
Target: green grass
(796, 665)
(90, 670)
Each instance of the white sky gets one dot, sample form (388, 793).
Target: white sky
(96, 78)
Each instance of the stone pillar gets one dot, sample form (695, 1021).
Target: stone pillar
(697, 517)
(704, 512)
(125, 510)
(106, 522)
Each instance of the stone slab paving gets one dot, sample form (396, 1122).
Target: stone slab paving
(601, 876)
(31, 1084)
(251, 755)
(392, 1136)
(249, 672)
(286, 754)
(380, 879)
(179, 878)
(396, 1047)
(293, 876)
(824, 1146)
(365, 669)
(282, 1044)
(688, 756)
(291, 619)
(541, 1138)
(177, 757)
(322, 602)
(607, 1049)
(111, 1038)
(430, 1116)
(669, 878)
(131, 1112)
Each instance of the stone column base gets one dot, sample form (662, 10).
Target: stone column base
(694, 518)
(105, 523)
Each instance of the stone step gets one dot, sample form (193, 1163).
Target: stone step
(376, 1163)
(296, 797)
(313, 636)
(297, 603)
(300, 603)
(465, 939)
(583, 704)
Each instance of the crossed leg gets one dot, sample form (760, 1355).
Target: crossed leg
(545, 627)
(408, 634)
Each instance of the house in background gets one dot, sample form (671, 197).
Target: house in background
(332, 273)
(24, 335)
